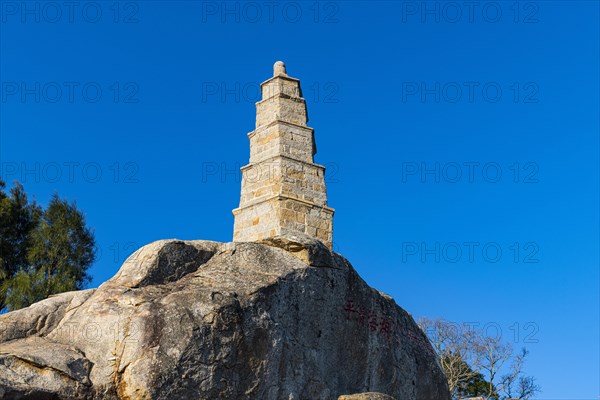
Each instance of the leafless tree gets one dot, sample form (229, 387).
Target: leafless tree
(494, 355)
(524, 388)
(465, 354)
(455, 349)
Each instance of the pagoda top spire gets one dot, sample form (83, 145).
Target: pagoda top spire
(279, 68)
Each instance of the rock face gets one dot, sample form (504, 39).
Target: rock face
(283, 319)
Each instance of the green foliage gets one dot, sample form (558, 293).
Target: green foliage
(475, 386)
(42, 252)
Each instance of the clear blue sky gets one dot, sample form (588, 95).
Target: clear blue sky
(393, 89)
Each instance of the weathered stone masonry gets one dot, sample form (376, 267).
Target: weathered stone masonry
(283, 190)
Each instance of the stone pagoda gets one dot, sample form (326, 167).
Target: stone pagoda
(283, 190)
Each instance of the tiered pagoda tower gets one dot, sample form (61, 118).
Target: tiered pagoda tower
(283, 190)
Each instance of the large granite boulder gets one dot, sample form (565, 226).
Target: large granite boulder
(282, 319)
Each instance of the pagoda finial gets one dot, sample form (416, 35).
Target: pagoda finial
(279, 68)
